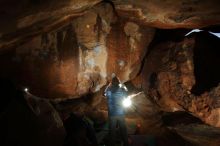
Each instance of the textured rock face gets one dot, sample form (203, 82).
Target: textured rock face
(31, 121)
(201, 135)
(24, 19)
(80, 57)
(127, 44)
(171, 80)
(172, 75)
(64, 55)
(171, 13)
(21, 21)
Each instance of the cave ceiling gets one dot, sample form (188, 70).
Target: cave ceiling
(29, 18)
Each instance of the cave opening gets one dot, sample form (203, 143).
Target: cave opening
(206, 62)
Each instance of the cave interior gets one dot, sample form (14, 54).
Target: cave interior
(58, 57)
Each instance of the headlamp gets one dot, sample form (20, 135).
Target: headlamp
(123, 86)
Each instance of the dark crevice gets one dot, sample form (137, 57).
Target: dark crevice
(163, 35)
(149, 49)
(113, 6)
(180, 117)
(206, 62)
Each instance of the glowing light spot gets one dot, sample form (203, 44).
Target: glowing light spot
(199, 30)
(26, 89)
(87, 26)
(126, 102)
(194, 30)
(216, 34)
(123, 86)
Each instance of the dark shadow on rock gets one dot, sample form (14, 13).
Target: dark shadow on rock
(27, 120)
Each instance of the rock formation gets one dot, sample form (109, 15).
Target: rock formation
(67, 51)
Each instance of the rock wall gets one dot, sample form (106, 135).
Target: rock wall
(80, 57)
(169, 77)
(67, 49)
(170, 14)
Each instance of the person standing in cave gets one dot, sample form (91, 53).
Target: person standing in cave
(115, 93)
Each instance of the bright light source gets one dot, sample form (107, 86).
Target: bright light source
(194, 30)
(198, 30)
(123, 86)
(126, 102)
(26, 89)
(216, 34)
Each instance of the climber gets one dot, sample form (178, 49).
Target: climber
(115, 94)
